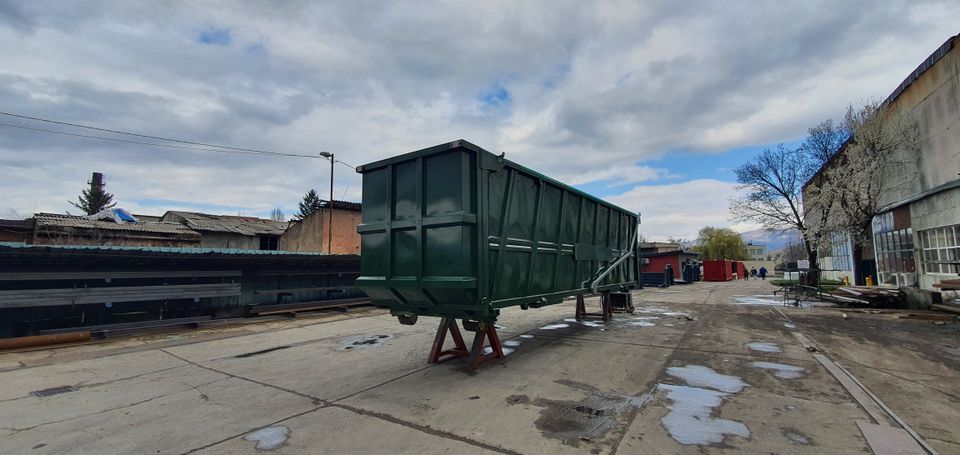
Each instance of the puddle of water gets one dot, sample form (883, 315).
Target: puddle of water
(757, 300)
(512, 343)
(363, 341)
(641, 324)
(584, 323)
(527, 336)
(506, 350)
(590, 418)
(781, 370)
(269, 438)
(763, 347)
(701, 376)
(689, 420)
(796, 437)
(554, 326)
(789, 325)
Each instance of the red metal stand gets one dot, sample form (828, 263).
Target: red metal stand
(437, 351)
(606, 310)
(476, 353)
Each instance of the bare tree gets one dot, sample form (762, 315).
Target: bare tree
(684, 244)
(871, 166)
(773, 183)
(277, 215)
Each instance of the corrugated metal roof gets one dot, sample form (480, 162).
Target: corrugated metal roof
(244, 225)
(346, 205)
(46, 220)
(162, 249)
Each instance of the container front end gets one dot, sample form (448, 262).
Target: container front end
(419, 234)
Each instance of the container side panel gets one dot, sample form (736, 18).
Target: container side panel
(448, 251)
(404, 191)
(445, 181)
(519, 220)
(375, 196)
(548, 241)
(373, 261)
(404, 254)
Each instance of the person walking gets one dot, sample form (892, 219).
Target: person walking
(763, 273)
(753, 272)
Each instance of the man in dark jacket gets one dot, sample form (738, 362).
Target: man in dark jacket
(763, 273)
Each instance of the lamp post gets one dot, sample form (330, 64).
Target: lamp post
(330, 157)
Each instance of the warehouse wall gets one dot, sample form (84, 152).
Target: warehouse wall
(309, 235)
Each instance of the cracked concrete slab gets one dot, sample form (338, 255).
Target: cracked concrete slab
(582, 388)
(337, 430)
(170, 423)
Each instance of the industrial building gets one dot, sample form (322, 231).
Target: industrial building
(311, 233)
(916, 231)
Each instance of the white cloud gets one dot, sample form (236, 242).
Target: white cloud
(680, 209)
(591, 92)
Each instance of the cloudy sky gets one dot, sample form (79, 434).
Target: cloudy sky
(647, 104)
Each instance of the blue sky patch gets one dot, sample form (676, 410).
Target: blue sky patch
(683, 166)
(215, 36)
(496, 96)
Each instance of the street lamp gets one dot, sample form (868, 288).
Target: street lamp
(329, 156)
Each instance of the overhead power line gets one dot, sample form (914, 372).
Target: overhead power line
(153, 144)
(203, 146)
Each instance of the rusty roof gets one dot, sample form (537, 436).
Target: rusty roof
(48, 220)
(243, 225)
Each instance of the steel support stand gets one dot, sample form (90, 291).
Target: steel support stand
(436, 352)
(606, 309)
(476, 354)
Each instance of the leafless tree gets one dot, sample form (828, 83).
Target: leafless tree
(773, 183)
(277, 215)
(873, 163)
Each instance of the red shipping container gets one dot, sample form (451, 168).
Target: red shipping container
(717, 270)
(740, 269)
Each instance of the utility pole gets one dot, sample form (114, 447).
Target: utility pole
(330, 157)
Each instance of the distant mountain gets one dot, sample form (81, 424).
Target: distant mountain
(773, 240)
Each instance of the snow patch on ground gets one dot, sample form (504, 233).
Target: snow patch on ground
(269, 438)
(781, 370)
(763, 347)
(701, 376)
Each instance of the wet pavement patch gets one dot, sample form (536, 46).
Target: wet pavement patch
(757, 300)
(555, 326)
(690, 420)
(364, 341)
(701, 376)
(53, 391)
(763, 347)
(588, 419)
(262, 351)
(795, 436)
(789, 325)
(781, 370)
(269, 438)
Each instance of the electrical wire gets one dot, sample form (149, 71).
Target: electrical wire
(153, 144)
(145, 136)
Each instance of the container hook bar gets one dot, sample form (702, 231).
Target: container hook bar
(620, 260)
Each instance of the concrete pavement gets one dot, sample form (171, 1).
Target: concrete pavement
(696, 370)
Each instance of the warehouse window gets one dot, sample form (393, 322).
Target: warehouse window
(269, 242)
(840, 252)
(895, 261)
(941, 250)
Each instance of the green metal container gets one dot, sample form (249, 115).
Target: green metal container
(456, 231)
